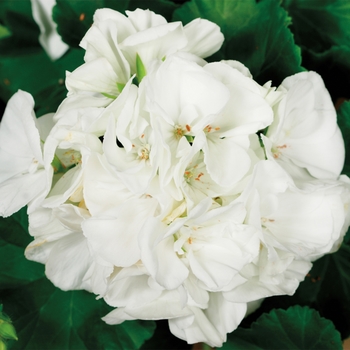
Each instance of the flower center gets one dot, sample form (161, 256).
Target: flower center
(264, 221)
(180, 131)
(188, 175)
(209, 129)
(143, 152)
(276, 151)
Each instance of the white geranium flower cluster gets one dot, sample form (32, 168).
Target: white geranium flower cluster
(171, 187)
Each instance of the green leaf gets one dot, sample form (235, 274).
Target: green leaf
(47, 318)
(256, 34)
(74, 18)
(7, 331)
(334, 67)
(17, 17)
(25, 65)
(4, 32)
(326, 288)
(162, 7)
(344, 124)
(38, 75)
(16, 270)
(295, 328)
(318, 25)
(164, 339)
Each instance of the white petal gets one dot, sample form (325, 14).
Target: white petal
(97, 76)
(49, 38)
(305, 129)
(22, 177)
(65, 187)
(19, 190)
(19, 136)
(130, 288)
(124, 25)
(102, 190)
(144, 19)
(155, 42)
(102, 41)
(159, 255)
(113, 235)
(204, 37)
(68, 262)
(201, 329)
(226, 316)
(226, 161)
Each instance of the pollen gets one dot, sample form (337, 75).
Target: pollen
(276, 150)
(188, 175)
(264, 221)
(143, 152)
(188, 128)
(198, 178)
(82, 17)
(179, 131)
(209, 129)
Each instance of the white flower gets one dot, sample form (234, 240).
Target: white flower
(118, 47)
(210, 244)
(317, 219)
(23, 179)
(228, 133)
(175, 188)
(181, 98)
(60, 245)
(129, 143)
(305, 133)
(68, 146)
(210, 325)
(268, 276)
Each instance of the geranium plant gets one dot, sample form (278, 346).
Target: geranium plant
(174, 174)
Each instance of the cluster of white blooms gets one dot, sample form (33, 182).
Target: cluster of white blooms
(171, 187)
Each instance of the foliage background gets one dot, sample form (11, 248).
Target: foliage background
(273, 39)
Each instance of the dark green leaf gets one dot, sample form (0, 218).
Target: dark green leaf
(326, 288)
(38, 75)
(164, 339)
(47, 318)
(161, 7)
(344, 124)
(334, 67)
(74, 18)
(25, 65)
(17, 17)
(15, 269)
(318, 25)
(256, 34)
(295, 328)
